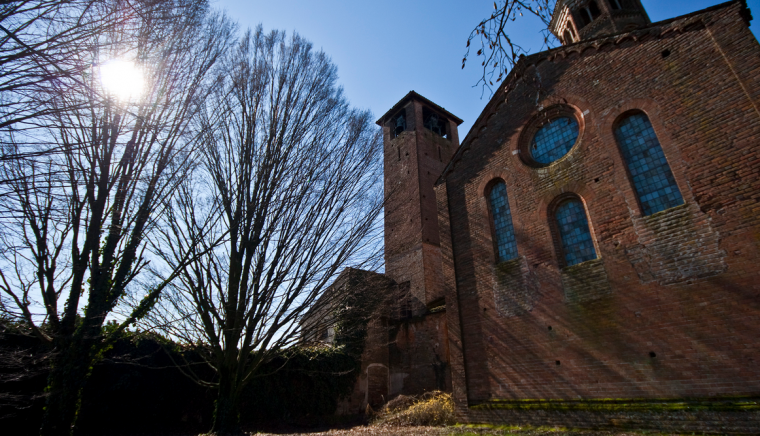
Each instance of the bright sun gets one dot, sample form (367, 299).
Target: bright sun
(122, 79)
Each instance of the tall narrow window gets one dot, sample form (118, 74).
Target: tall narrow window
(398, 125)
(652, 178)
(586, 16)
(434, 122)
(504, 232)
(577, 245)
(568, 37)
(594, 9)
(570, 28)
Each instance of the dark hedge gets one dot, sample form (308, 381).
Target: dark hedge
(137, 389)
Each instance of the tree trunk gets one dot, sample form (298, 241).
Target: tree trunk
(71, 368)
(226, 411)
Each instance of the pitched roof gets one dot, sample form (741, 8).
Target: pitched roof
(414, 96)
(654, 30)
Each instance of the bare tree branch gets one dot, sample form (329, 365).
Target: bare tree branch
(89, 174)
(292, 179)
(497, 51)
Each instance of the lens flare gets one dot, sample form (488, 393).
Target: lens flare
(122, 79)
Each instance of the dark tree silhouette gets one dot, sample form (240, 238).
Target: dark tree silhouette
(91, 171)
(292, 178)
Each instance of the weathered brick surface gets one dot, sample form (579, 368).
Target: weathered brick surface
(587, 281)
(407, 347)
(512, 294)
(568, 13)
(418, 339)
(676, 245)
(372, 381)
(419, 355)
(672, 306)
(413, 161)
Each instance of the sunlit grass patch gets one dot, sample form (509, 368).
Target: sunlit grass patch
(527, 430)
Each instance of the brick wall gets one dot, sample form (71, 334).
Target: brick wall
(418, 354)
(413, 161)
(684, 421)
(672, 306)
(417, 338)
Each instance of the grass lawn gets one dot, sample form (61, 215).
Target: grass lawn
(467, 431)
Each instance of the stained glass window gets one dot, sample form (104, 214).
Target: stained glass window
(653, 181)
(574, 232)
(506, 244)
(554, 140)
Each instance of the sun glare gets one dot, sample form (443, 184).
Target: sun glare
(121, 78)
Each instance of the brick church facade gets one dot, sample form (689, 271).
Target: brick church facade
(596, 235)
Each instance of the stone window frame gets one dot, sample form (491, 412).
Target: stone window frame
(538, 121)
(486, 192)
(551, 216)
(606, 132)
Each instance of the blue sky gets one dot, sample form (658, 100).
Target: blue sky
(384, 49)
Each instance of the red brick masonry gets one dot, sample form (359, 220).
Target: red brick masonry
(671, 308)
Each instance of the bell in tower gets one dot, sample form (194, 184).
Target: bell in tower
(399, 124)
(578, 20)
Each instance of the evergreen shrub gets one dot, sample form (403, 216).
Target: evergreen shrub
(137, 389)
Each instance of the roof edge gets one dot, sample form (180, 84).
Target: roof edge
(412, 95)
(524, 62)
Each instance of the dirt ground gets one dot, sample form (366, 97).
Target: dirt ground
(459, 431)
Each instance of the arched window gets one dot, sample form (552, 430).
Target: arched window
(652, 178)
(568, 37)
(574, 233)
(504, 231)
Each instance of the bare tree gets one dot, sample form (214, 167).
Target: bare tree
(293, 176)
(75, 221)
(497, 50)
(38, 41)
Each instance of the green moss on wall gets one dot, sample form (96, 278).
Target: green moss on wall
(722, 404)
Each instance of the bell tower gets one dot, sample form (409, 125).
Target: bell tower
(419, 139)
(577, 20)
